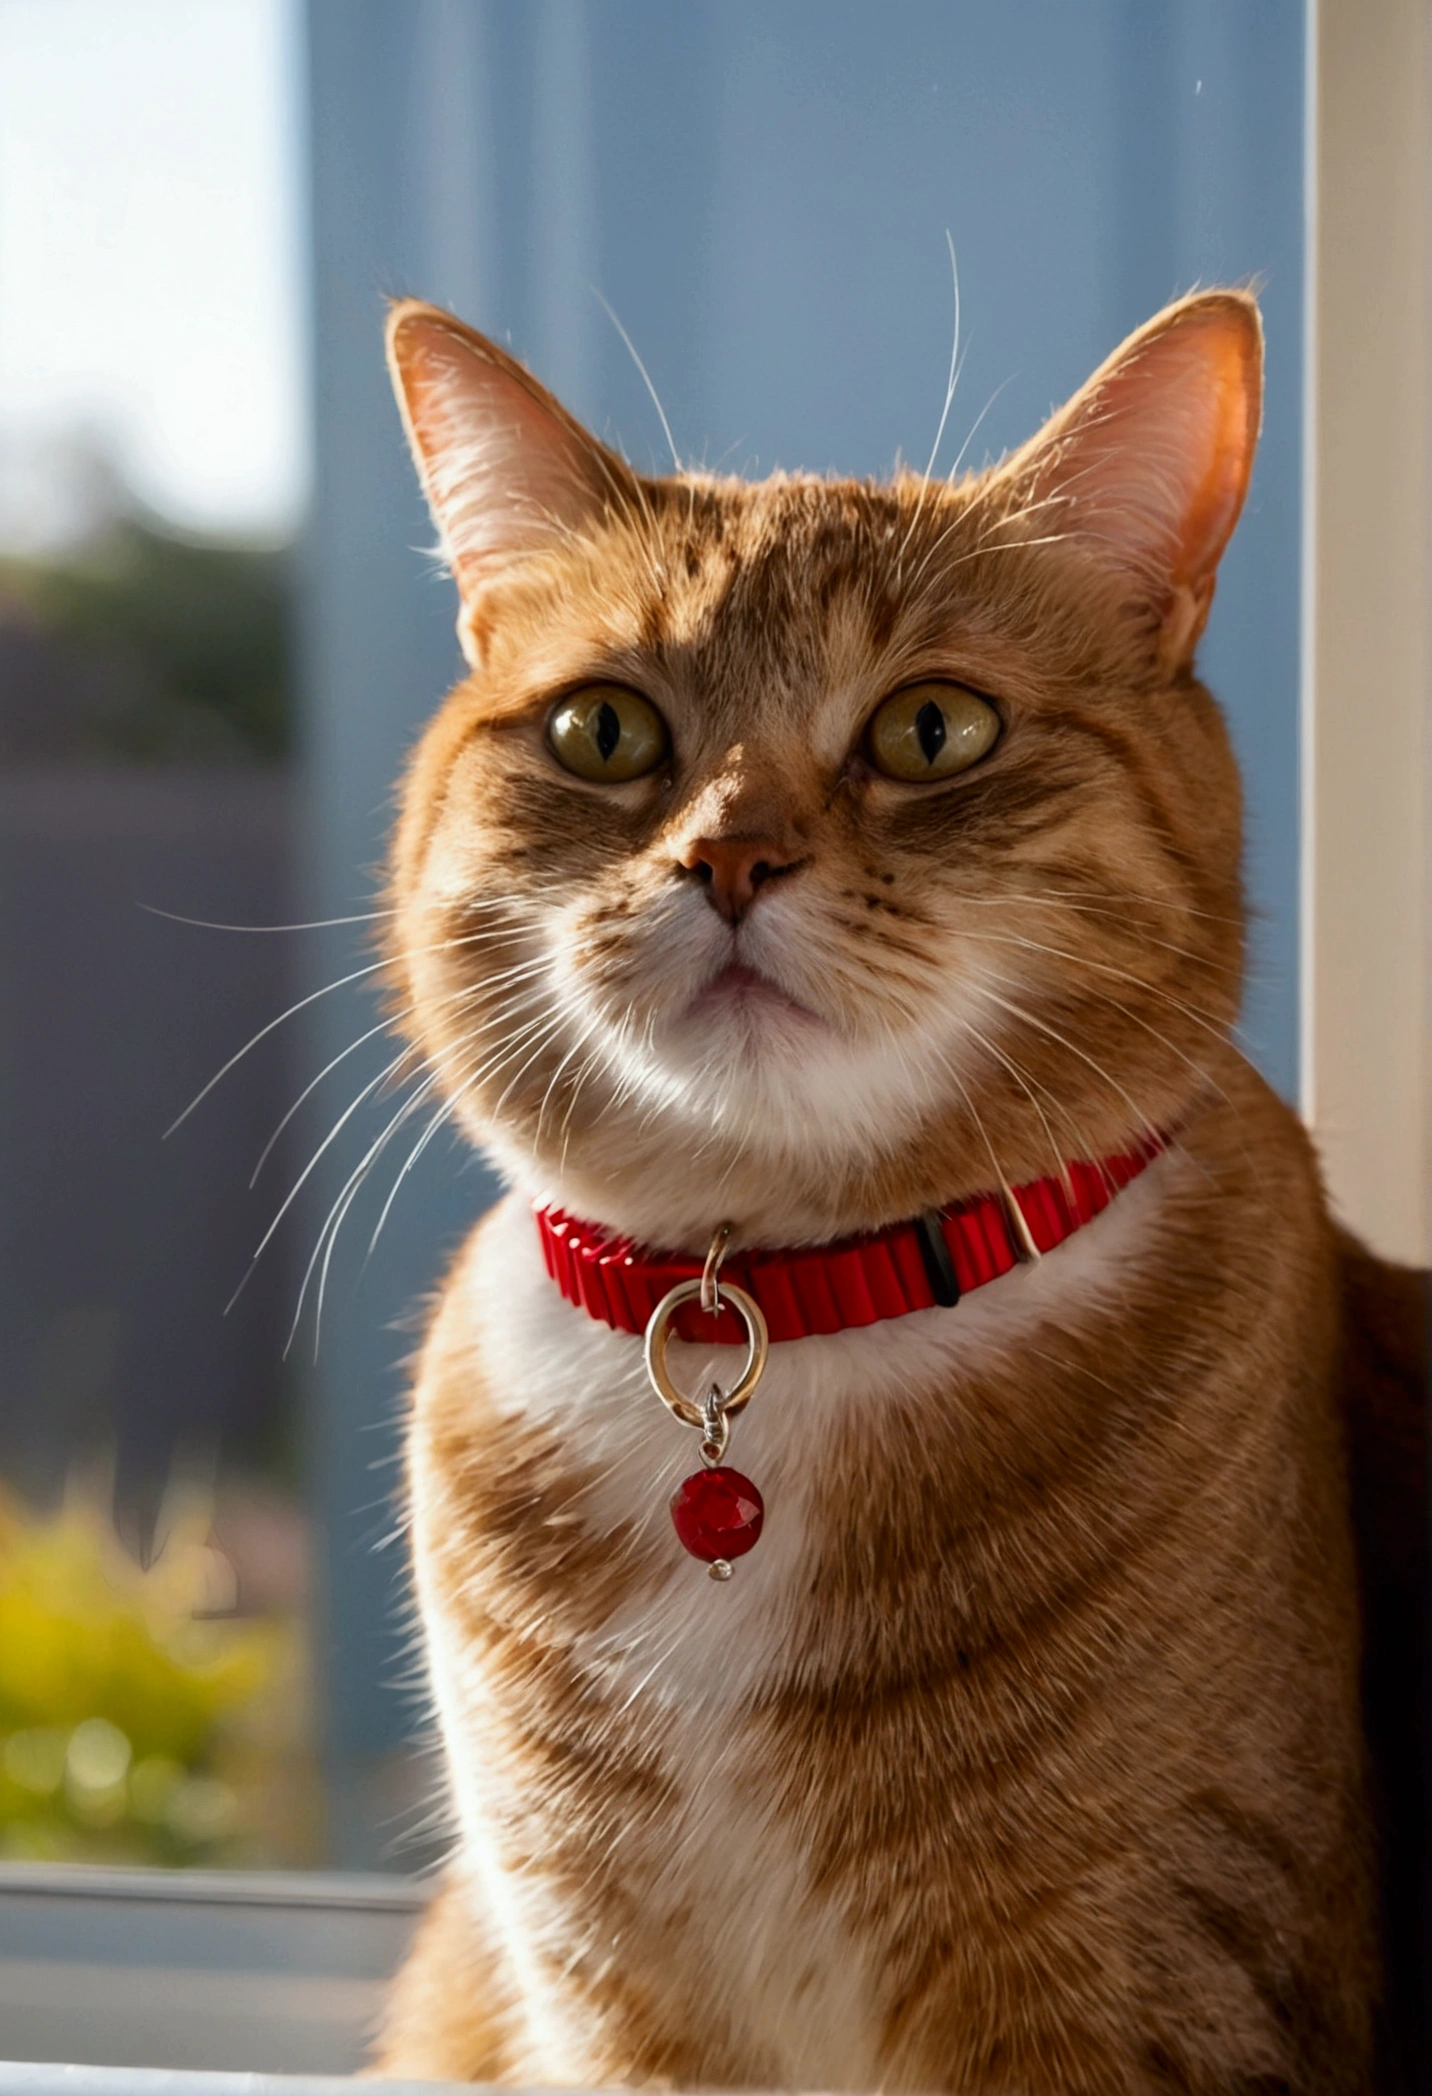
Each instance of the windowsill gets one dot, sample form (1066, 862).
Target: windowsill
(242, 1973)
(26, 2080)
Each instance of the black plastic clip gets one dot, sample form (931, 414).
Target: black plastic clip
(935, 1257)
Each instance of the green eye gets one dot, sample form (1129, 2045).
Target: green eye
(930, 731)
(607, 733)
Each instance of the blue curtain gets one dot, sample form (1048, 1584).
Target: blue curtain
(761, 189)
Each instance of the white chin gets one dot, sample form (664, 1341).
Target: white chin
(776, 1080)
(741, 1031)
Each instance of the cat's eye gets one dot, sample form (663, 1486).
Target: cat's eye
(930, 731)
(607, 733)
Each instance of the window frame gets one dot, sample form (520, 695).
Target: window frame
(290, 1966)
(1366, 1020)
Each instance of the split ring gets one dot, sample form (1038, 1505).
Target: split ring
(658, 1333)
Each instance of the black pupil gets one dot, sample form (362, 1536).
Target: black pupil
(609, 729)
(930, 727)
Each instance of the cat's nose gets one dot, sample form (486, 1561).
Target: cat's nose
(733, 868)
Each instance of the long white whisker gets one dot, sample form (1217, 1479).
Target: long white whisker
(1026, 1085)
(344, 1201)
(444, 1113)
(953, 380)
(317, 924)
(583, 1037)
(314, 1082)
(980, 1128)
(356, 975)
(383, 1026)
(950, 384)
(975, 426)
(412, 1157)
(1082, 960)
(645, 376)
(293, 1193)
(313, 996)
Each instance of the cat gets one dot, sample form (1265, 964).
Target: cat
(816, 858)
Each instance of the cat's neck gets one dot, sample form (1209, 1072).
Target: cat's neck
(672, 1195)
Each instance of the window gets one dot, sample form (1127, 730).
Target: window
(220, 629)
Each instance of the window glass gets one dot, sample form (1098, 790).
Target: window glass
(156, 1678)
(214, 657)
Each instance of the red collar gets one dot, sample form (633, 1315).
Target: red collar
(929, 1261)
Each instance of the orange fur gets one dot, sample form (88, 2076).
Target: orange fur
(1025, 1753)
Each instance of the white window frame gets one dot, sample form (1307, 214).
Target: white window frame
(157, 1978)
(1367, 626)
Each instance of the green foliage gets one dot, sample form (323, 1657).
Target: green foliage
(138, 1723)
(170, 647)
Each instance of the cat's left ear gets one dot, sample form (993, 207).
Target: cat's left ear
(508, 473)
(1146, 468)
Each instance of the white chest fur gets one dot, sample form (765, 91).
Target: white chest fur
(698, 1653)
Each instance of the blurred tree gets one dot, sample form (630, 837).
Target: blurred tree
(141, 646)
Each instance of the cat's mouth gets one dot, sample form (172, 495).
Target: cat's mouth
(743, 991)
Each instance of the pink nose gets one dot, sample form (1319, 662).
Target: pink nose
(733, 868)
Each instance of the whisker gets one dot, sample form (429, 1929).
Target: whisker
(344, 1201)
(1082, 960)
(466, 1085)
(1017, 1011)
(558, 1021)
(358, 974)
(444, 1114)
(645, 376)
(337, 1214)
(584, 1036)
(412, 1157)
(383, 1026)
(327, 990)
(474, 1076)
(975, 427)
(1110, 902)
(316, 924)
(590, 1063)
(314, 1082)
(950, 384)
(953, 380)
(1026, 1085)
(292, 1195)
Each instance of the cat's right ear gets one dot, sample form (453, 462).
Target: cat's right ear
(1145, 470)
(506, 470)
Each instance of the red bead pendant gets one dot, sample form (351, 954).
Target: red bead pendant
(717, 1514)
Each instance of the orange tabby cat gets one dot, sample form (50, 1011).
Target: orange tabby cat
(812, 856)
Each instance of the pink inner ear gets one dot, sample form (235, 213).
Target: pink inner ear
(1154, 455)
(505, 470)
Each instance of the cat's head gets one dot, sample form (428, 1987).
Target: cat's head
(798, 851)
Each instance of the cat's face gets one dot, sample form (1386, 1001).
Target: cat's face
(802, 852)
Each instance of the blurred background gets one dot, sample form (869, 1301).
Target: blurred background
(220, 628)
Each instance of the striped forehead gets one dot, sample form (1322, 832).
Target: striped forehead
(776, 586)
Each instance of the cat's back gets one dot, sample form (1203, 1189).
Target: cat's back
(1384, 1384)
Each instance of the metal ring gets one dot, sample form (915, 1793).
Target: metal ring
(711, 1276)
(658, 1333)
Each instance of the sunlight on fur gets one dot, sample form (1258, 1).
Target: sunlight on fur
(1026, 1751)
